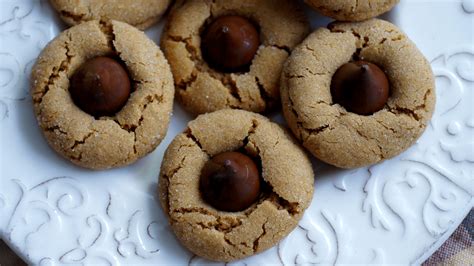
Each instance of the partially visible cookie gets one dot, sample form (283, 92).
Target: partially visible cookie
(139, 13)
(254, 86)
(359, 10)
(109, 140)
(345, 134)
(286, 185)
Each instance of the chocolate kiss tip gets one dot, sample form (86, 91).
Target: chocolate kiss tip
(365, 67)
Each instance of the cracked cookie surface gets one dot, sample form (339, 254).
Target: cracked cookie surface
(139, 13)
(227, 236)
(104, 142)
(354, 10)
(202, 89)
(342, 138)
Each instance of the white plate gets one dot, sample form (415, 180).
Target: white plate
(399, 211)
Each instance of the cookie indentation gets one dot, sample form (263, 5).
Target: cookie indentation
(230, 43)
(230, 181)
(360, 87)
(100, 87)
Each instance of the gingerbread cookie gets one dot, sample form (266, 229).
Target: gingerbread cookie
(359, 10)
(139, 13)
(357, 93)
(229, 54)
(102, 94)
(234, 184)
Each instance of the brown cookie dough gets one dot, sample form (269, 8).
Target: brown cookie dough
(227, 236)
(105, 142)
(139, 13)
(359, 10)
(342, 138)
(202, 89)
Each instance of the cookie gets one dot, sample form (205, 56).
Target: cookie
(139, 13)
(359, 10)
(203, 87)
(345, 138)
(286, 185)
(104, 141)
